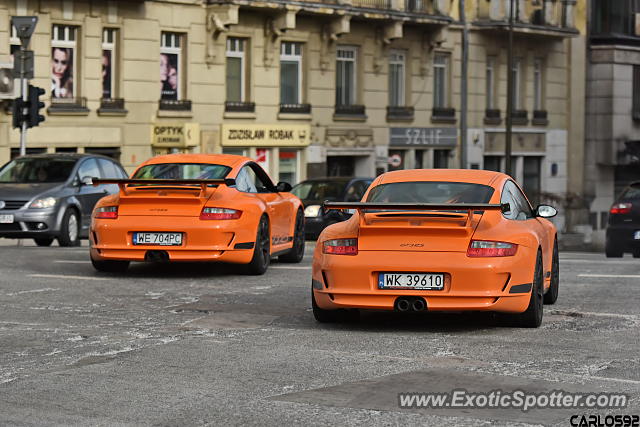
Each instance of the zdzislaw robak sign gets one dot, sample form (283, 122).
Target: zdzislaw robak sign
(255, 135)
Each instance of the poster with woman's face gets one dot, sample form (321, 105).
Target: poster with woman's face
(106, 74)
(169, 76)
(62, 72)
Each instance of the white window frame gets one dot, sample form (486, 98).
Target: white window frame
(351, 55)
(490, 87)
(67, 39)
(398, 58)
(171, 43)
(294, 55)
(538, 75)
(111, 33)
(517, 83)
(236, 48)
(444, 65)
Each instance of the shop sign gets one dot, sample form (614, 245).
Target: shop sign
(255, 135)
(175, 135)
(423, 137)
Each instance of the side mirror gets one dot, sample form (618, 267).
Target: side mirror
(283, 187)
(546, 211)
(87, 180)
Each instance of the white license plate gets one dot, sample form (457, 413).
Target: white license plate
(157, 239)
(6, 219)
(636, 235)
(418, 281)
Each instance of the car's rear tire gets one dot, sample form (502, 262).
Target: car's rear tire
(44, 241)
(532, 317)
(332, 316)
(261, 250)
(110, 266)
(70, 229)
(552, 294)
(636, 253)
(296, 254)
(611, 251)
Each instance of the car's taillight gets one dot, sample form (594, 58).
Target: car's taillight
(107, 212)
(220, 213)
(340, 247)
(486, 248)
(620, 208)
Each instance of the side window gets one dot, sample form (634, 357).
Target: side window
(109, 169)
(89, 168)
(520, 209)
(246, 180)
(523, 204)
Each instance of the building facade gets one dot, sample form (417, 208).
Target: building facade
(309, 88)
(613, 108)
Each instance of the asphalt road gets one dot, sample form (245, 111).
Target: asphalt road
(196, 344)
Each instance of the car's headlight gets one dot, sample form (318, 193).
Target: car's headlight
(312, 211)
(47, 202)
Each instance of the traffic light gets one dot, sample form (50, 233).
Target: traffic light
(17, 110)
(34, 117)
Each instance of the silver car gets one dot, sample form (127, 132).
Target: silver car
(50, 196)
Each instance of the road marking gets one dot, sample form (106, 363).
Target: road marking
(612, 276)
(287, 267)
(591, 261)
(62, 276)
(64, 261)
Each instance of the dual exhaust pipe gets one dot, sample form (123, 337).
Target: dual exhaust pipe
(404, 304)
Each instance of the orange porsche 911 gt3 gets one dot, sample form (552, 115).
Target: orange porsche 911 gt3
(197, 207)
(438, 240)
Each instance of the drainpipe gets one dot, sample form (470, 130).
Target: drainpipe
(464, 86)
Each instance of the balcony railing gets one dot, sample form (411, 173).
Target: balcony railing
(239, 107)
(295, 108)
(112, 104)
(519, 117)
(547, 13)
(372, 4)
(540, 118)
(400, 113)
(175, 104)
(417, 6)
(76, 104)
(443, 114)
(350, 110)
(492, 116)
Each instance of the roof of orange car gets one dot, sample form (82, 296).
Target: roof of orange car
(230, 160)
(475, 176)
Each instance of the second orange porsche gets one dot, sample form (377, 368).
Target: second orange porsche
(197, 207)
(438, 240)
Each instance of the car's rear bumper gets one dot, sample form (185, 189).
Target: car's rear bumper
(622, 236)
(31, 223)
(201, 241)
(476, 284)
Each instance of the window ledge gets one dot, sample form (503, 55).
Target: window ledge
(67, 111)
(294, 116)
(172, 113)
(350, 117)
(239, 115)
(113, 112)
(443, 119)
(540, 122)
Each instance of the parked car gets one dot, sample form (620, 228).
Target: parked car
(313, 192)
(623, 228)
(50, 196)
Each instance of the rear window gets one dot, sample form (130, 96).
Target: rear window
(319, 190)
(430, 192)
(182, 171)
(632, 192)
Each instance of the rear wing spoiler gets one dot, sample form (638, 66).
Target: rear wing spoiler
(202, 183)
(504, 207)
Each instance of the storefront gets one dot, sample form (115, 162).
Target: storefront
(167, 138)
(279, 149)
(421, 148)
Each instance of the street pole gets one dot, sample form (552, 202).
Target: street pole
(464, 87)
(510, 90)
(23, 94)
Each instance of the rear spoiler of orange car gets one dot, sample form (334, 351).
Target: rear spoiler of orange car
(202, 183)
(468, 207)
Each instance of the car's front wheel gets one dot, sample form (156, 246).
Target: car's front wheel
(296, 254)
(261, 250)
(44, 241)
(532, 317)
(70, 229)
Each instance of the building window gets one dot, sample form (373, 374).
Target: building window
(516, 74)
(63, 61)
(171, 66)
(531, 178)
(288, 166)
(236, 70)
(441, 80)
(346, 63)
(290, 73)
(614, 17)
(490, 83)
(538, 93)
(440, 159)
(397, 75)
(109, 40)
(636, 92)
(493, 163)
